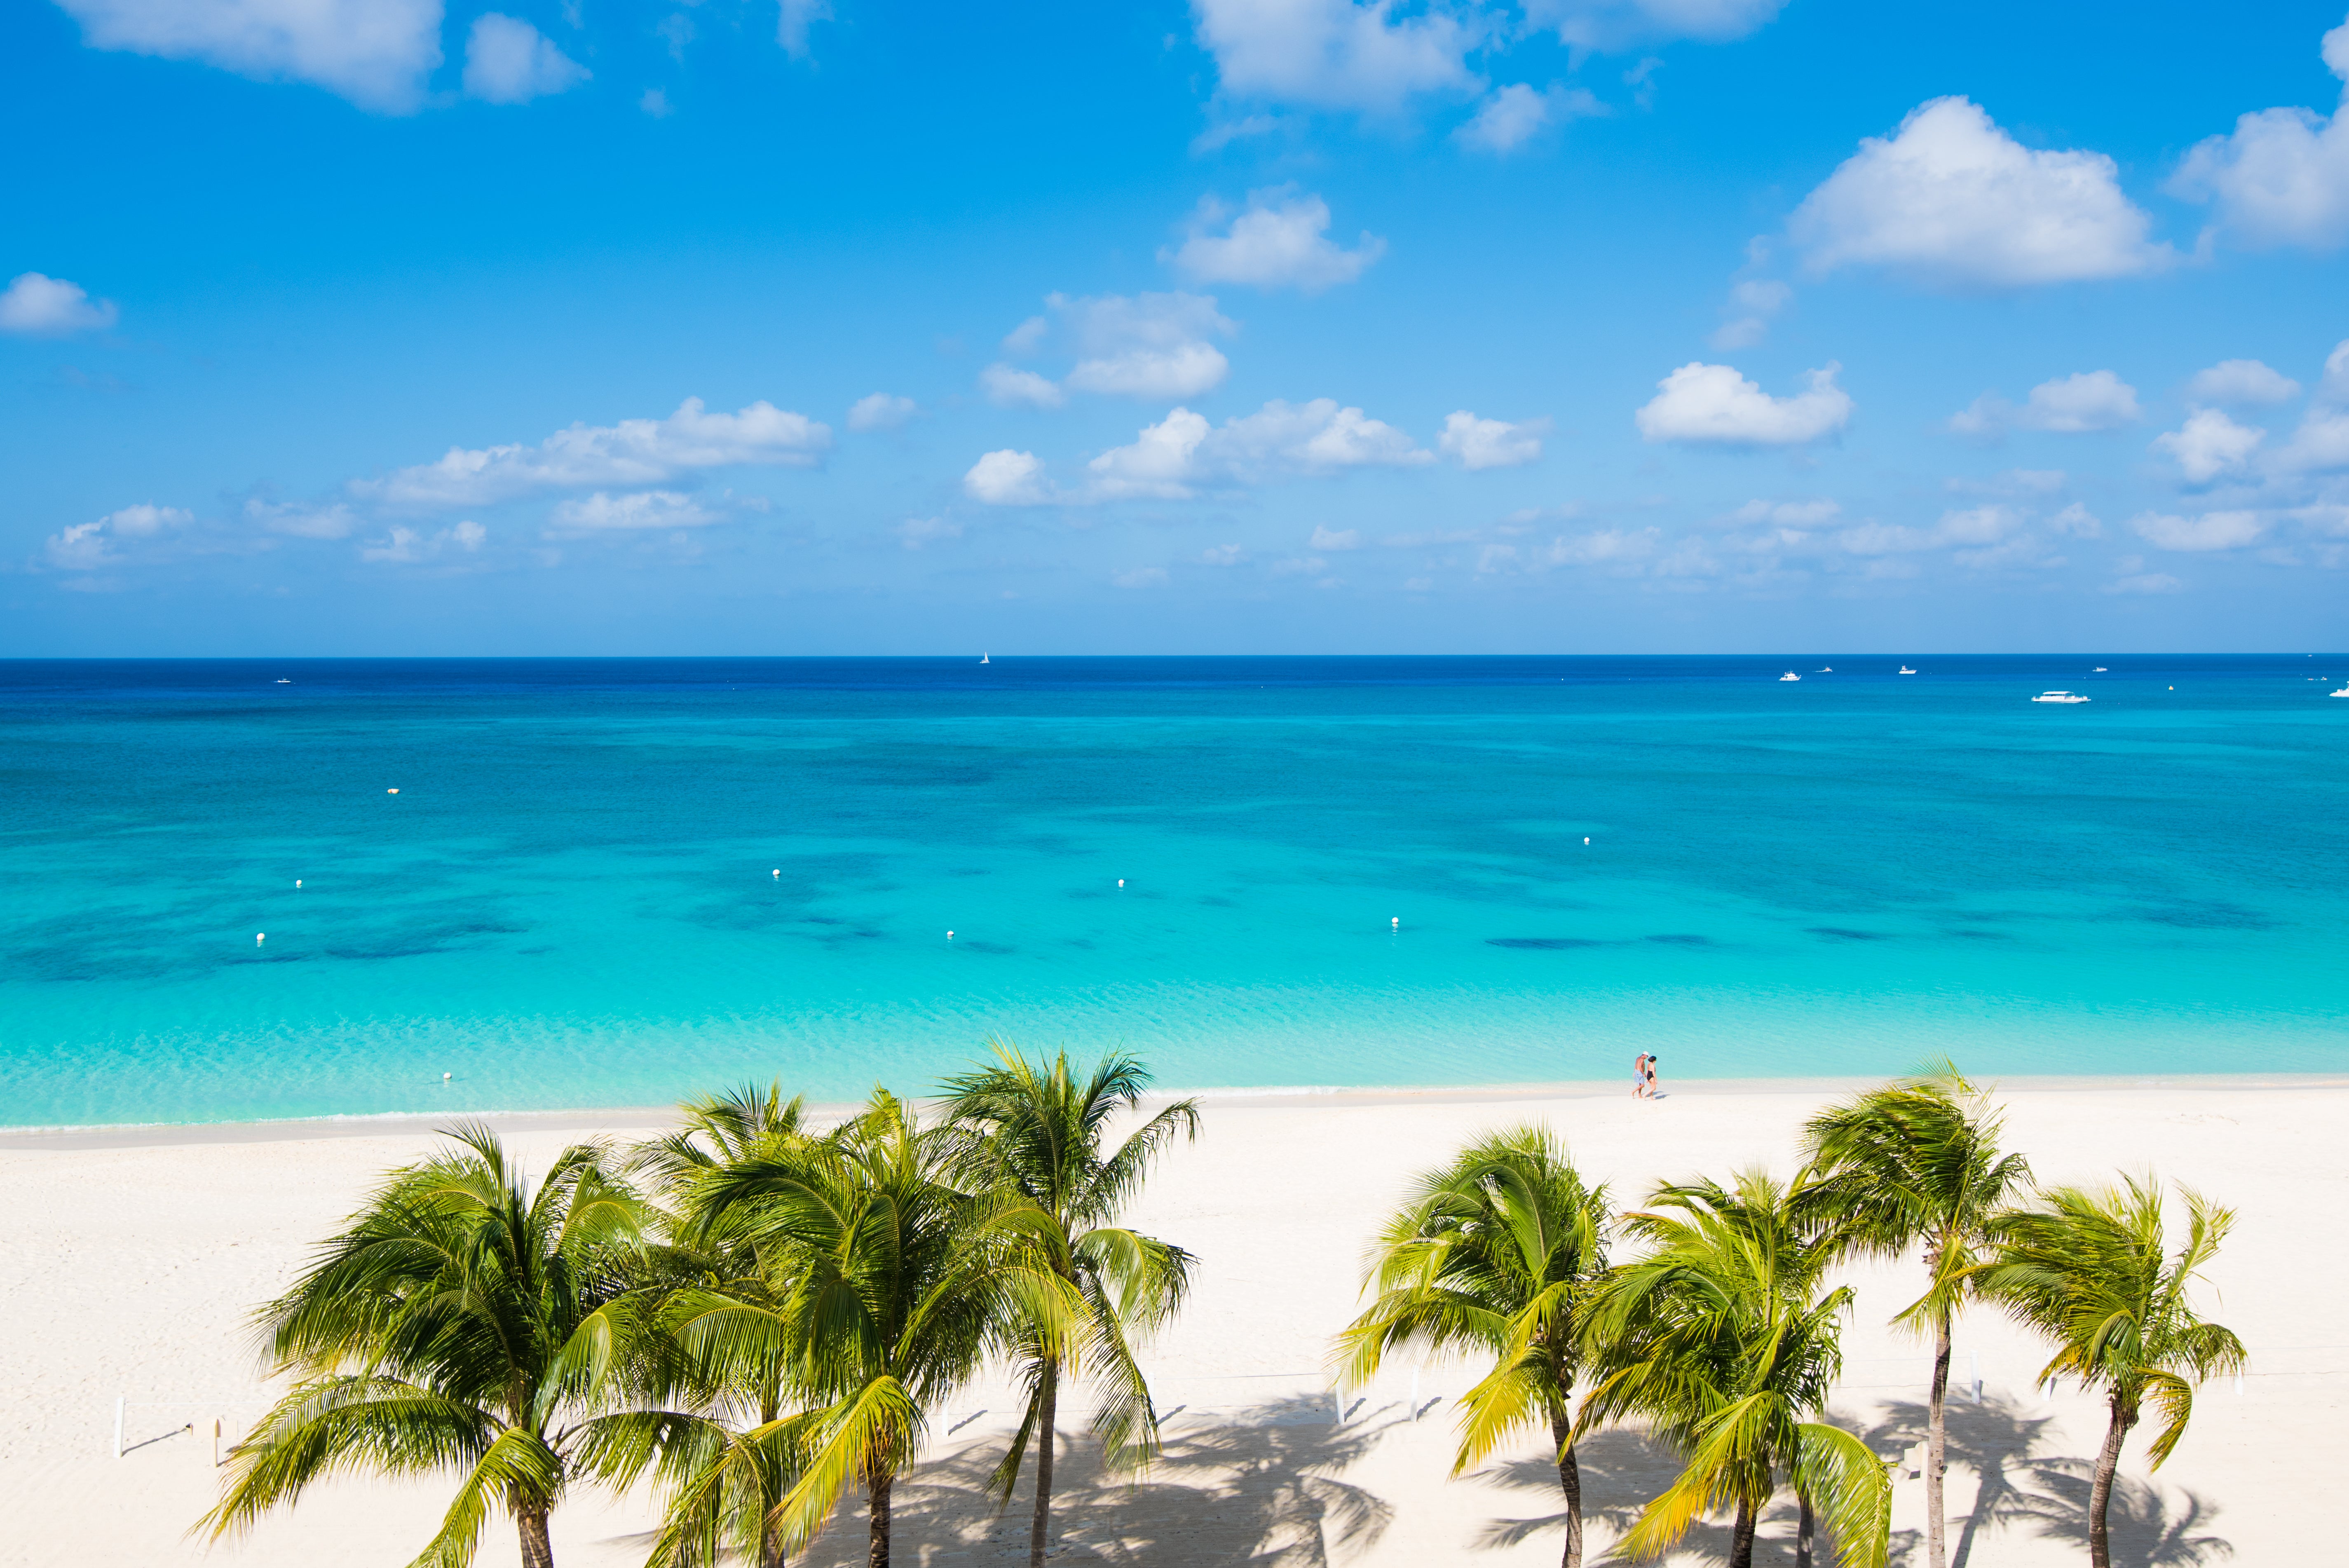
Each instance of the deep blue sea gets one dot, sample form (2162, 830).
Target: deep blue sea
(607, 882)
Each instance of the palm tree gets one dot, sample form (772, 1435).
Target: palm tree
(1038, 1133)
(892, 1285)
(1495, 1254)
(1724, 1338)
(1917, 1162)
(2089, 1271)
(696, 1429)
(461, 1321)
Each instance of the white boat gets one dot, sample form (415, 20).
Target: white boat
(2059, 696)
(983, 659)
(1906, 671)
(283, 681)
(2100, 669)
(1790, 676)
(1823, 670)
(2343, 692)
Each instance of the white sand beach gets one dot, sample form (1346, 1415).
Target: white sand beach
(129, 1262)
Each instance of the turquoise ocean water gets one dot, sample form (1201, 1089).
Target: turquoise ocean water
(574, 899)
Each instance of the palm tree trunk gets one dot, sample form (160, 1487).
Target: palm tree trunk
(537, 1551)
(1741, 1537)
(1936, 1444)
(877, 1551)
(2100, 1495)
(1047, 1440)
(1569, 1481)
(1805, 1528)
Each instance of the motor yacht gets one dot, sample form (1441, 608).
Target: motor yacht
(1790, 676)
(2059, 696)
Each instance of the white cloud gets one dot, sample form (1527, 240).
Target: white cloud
(630, 513)
(1009, 386)
(146, 520)
(303, 521)
(2320, 444)
(2076, 520)
(2068, 405)
(1150, 345)
(1140, 577)
(1222, 555)
(1752, 304)
(2209, 444)
(86, 546)
(1490, 443)
(1327, 538)
(405, 546)
(2335, 388)
(1281, 241)
(1952, 200)
(632, 452)
(507, 60)
(1603, 546)
(1161, 461)
(2210, 530)
(1713, 404)
(1789, 513)
(919, 531)
(2241, 383)
(1515, 114)
(2282, 177)
(41, 306)
(791, 24)
(1007, 479)
(2145, 583)
(376, 53)
(1336, 54)
(881, 411)
(1606, 26)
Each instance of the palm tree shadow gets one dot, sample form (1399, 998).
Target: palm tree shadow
(1623, 1468)
(1993, 1438)
(2145, 1532)
(1258, 1487)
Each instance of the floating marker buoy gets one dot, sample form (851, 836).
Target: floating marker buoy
(1586, 837)
(1396, 923)
(444, 1077)
(779, 873)
(259, 937)
(1120, 881)
(950, 936)
(297, 882)
(391, 791)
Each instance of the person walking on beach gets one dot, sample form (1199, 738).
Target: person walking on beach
(1639, 1076)
(1652, 1077)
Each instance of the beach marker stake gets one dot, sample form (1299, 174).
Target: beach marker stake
(1976, 1356)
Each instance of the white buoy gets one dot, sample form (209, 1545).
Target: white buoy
(1586, 837)
(779, 873)
(444, 1077)
(259, 937)
(391, 791)
(950, 936)
(1396, 923)
(1120, 881)
(297, 882)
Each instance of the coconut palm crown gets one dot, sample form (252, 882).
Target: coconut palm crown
(462, 1322)
(1036, 1132)
(1724, 1338)
(1917, 1162)
(1495, 1254)
(2091, 1272)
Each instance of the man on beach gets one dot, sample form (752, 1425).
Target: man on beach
(1640, 1077)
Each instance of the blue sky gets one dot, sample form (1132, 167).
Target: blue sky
(392, 326)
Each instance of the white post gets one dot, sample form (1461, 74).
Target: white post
(216, 1437)
(1976, 1355)
(119, 1401)
(1414, 1392)
(1336, 1408)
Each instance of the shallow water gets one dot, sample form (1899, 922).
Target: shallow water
(613, 881)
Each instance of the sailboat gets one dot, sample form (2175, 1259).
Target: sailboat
(983, 659)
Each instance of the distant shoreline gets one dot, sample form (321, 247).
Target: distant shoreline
(592, 1118)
